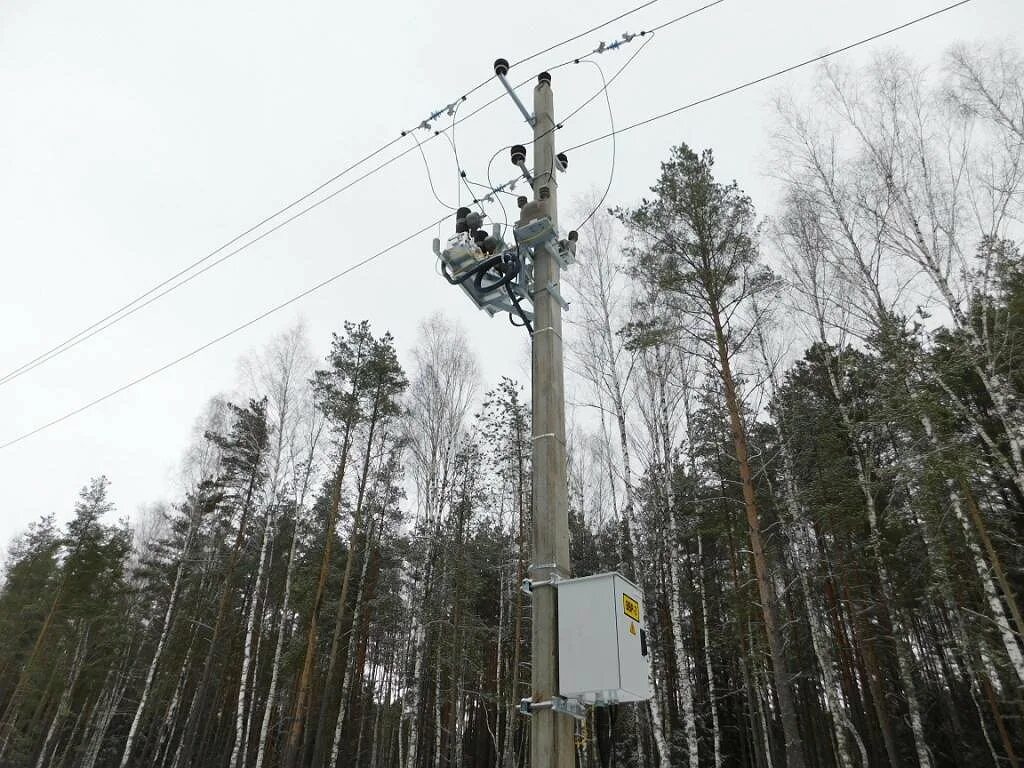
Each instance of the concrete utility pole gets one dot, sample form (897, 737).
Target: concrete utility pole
(551, 733)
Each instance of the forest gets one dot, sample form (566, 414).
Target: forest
(799, 431)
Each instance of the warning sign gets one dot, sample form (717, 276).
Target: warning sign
(630, 607)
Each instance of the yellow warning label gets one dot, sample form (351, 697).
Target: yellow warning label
(630, 607)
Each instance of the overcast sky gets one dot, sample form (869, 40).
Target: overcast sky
(136, 137)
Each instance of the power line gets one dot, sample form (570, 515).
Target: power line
(114, 319)
(109, 319)
(418, 145)
(586, 32)
(433, 224)
(686, 15)
(772, 75)
(232, 332)
(28, 365)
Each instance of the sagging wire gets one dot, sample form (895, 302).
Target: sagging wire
(462, 182)
(611, 124)
(452, 110)
(490, 183)
(430, 178)
(605, 84)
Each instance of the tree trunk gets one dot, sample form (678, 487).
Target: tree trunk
(241, 712)
(63, 706)
(294, 743)
(766, 592)
(346, 579)
(158, 653)
(199, 701)
(350, 656)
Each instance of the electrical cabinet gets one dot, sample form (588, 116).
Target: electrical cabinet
(602, 644)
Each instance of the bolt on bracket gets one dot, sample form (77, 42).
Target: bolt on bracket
(570, 707)
(529, 585)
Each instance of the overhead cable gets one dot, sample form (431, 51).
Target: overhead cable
(115, 315)
(433, 224)
(206, 345)
(769, 76)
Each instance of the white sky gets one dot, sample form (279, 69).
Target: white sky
(137, 137)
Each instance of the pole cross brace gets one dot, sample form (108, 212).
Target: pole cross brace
(526, 173)
(527, 115)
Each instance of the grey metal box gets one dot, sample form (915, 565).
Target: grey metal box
(602, 644)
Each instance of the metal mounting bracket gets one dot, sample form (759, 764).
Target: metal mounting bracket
(570, 707)
(529, 585)
(559, 253)
(552, 289)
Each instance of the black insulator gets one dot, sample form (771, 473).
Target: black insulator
(500, 67)
(563, 160)
(474, 221)
(521, 201)
(460, 220)
(544, 77)
(518, 154)
(574, 236)
(479, 236)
